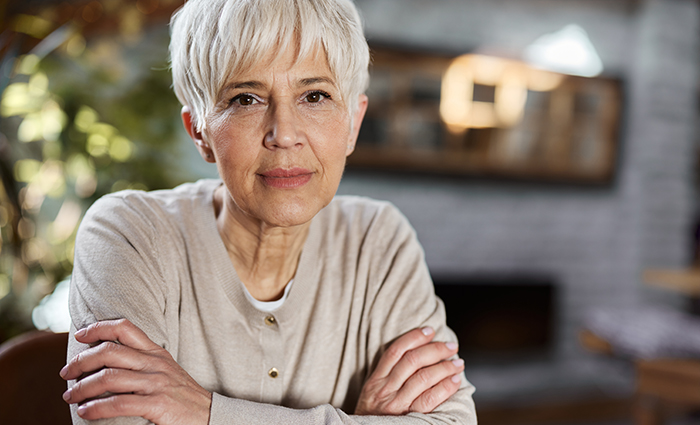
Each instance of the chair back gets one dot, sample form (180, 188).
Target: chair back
(30, 387)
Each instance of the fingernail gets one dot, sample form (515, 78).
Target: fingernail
(66, 395)
(64, 371)
(458, 362)
(427, 330)
(82, 409)
(456, 379)
(451, 345)
(80, 333)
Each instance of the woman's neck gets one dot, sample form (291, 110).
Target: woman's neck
(265, 257)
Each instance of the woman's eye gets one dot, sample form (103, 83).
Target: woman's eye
(244, 100)
(316, 96)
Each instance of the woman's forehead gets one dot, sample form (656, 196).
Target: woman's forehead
(302, 69)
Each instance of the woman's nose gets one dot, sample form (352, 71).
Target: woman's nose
(283, 130)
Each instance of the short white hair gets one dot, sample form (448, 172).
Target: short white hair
(213, 40)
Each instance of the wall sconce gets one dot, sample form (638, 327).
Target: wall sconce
(461, 105)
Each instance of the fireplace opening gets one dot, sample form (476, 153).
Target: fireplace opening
(500, 319)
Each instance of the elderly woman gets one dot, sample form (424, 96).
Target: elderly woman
(261, 298)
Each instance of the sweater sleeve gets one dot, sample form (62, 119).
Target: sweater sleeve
(404, 299)
(116, 276)
(400, 297)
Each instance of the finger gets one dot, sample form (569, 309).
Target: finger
(116, 381)
(114, 406)
(121, 330)
(408, 341)
(426, 378)
(432, 398)
(417, 359)
(107, 354)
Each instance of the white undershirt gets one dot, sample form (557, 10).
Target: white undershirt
(268, 306)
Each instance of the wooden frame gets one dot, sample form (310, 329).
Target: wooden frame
(564, 130)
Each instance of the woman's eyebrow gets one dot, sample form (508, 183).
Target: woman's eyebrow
(315, 80)
(246, 85)
(255, 85)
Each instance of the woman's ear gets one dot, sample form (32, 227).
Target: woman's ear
(202, 146)
(357, 118)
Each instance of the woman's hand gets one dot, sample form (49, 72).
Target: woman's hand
(413, 375)
(141, 376)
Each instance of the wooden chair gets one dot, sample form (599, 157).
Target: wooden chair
(30, 387)
(665, 383)
(661, 383)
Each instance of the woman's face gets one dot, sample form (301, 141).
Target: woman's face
(280, 133)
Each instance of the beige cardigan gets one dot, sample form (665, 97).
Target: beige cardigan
(157, 259)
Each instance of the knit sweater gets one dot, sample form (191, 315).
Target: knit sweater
(158, 260)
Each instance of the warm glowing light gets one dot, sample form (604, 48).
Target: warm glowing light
(456, 94)
(488, 69)
(540, 80)
(511, 95)
(510, 80)
(482, 115)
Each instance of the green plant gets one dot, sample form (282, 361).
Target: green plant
(83, 119)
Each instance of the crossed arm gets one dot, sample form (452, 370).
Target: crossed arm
(413, 375)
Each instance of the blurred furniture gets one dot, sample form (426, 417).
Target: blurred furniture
(662, 384)
(31, 389)
(682, 281)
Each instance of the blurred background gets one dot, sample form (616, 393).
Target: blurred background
(544, 150)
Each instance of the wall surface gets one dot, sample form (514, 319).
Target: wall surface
(595, 242)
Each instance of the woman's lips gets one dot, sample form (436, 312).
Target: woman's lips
(286, 179)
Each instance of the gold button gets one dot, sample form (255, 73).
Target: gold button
(274, 373)
(270, 320)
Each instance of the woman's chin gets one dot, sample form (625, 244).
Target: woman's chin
(289, 214)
